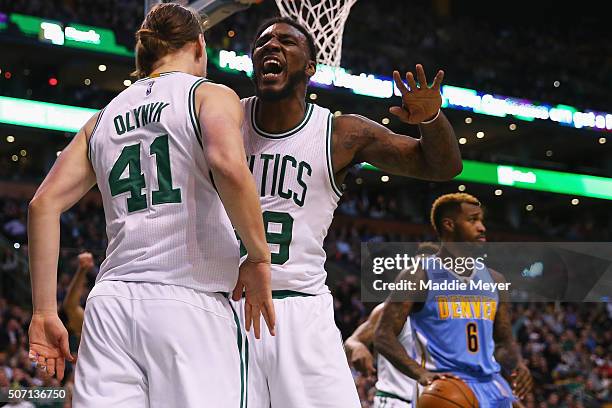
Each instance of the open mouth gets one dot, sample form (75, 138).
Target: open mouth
(272, 69)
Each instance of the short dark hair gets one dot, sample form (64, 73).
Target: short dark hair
(449, 204)
(289, 21)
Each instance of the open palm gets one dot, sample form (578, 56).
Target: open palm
(49, 344)
(419, 103)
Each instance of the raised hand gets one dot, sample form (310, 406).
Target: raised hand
(86, 261)
(49, 344)
(419, 103)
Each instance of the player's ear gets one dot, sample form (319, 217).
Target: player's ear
(311, 69)
(448, 224)
(200, 46)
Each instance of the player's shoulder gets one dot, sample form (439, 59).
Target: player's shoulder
(497, 276)
(216, 92)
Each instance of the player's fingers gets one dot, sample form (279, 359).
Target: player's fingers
(421, 76)
(248, 316)
(438, 80)
(65, 347)
(237, 292)
(60, 366)
(399, 83)
(33, 356)
(270, 317)
(257, 321)
(51, 367)
(370, 367)
(411, 82)
(41, 362)
(401, 113)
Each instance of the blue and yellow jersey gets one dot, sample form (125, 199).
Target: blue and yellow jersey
(454, 329)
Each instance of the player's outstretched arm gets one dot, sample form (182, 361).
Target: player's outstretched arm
(72, 302)
(507, 351)
(357, 346)
(435, 156)
(70, 179)
(221, 118)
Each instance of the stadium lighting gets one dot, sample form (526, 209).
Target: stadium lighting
(385, 121)
(87, 81)
(231, 33)
(498, 192)
(468, 120)
(14, 157)
(16, 245)
(529, 207)
(461, 187)
(549, 153)
(602, 140)
(384, 179)
(337, 113)
(58, 153)
(480, 135)
(512, 126)
(127, 82)
(575, 201)
(23, 152)
(358, 180)
(556, 84)
(10, 139)
(101, 67)
(462, 140)
(313, 96)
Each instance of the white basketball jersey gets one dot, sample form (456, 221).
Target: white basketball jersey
(390, 379)
(164, 220)
(294, 177)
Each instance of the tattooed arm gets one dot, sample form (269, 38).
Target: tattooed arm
(394, 314)
(357, 346)
(435, 156)
(507, 351)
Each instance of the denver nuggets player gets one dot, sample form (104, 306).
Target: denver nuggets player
(456, 332)
(299, 154)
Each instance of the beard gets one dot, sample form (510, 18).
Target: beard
(292, 82)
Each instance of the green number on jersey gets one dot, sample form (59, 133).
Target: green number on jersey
(135, 182)
(282, 238)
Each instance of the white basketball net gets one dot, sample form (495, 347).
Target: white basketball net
(325, 20)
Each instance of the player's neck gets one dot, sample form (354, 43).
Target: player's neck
(280, 115)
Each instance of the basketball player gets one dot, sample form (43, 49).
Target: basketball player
(462, 342)
(299, 154)
(393, 388)
(168, 158)
(72, 302)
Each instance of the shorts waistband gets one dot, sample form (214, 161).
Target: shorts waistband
(380, 393)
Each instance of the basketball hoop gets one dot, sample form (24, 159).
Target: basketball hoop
(325, 20)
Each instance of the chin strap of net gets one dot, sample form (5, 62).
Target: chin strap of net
(325, 20)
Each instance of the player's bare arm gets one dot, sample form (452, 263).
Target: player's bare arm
(358, 345)
(70, 179)
(72, 302)
(435, 156)
(507, 351)
(224, 151)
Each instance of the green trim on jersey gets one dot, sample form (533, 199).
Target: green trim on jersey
(385, 394)
(328, 151)
(93, 132)
(243, 371)
(290, 132)
(192, 110)
(161, 74)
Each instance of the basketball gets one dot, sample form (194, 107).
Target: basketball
(447, 393)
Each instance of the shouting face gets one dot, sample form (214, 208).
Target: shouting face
(281, 61)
